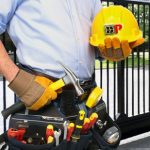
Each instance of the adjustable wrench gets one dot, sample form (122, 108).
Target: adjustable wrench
(57, 135)
(66, 123)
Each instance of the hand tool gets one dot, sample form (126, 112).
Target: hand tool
(37, 139)
(85, 126)
(17, 134)
(30, 140)
(24, 142)
(93, 119)
(42, 141)
(49, 131)
(111, 135)
(70, 131)
(57, 135)
(50, 139)
(94, 97)
(52, 118)
(82, 106)
(69, 78)
(99, 124)
(65, 124)
(78, 126)
(22, 125)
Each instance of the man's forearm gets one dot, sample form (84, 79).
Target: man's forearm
(7, 66)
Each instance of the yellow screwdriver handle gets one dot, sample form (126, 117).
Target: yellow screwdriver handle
(57, 85)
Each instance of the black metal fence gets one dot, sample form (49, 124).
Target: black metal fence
(125, 84)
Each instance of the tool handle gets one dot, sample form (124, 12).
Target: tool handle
(78, 126)
(57, 85)
(12, 109)
(20, 105)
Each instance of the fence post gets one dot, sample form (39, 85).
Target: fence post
(120, 78)
(3, 38)
(121, 89)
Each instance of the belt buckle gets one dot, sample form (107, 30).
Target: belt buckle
(84, 82)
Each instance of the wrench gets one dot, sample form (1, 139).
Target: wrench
(57, 135)
(65, 124)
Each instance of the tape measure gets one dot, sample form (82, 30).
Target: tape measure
(94, 97)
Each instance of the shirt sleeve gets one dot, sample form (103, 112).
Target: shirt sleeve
(7, 10)
(97, 7)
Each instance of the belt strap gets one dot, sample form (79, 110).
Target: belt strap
(36, 72)
(84, 83)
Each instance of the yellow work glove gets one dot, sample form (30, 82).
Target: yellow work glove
(32, 90)
(116, 50)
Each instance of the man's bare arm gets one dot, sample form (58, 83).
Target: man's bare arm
(7, 67)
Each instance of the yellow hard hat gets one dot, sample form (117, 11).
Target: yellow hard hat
(114, 21)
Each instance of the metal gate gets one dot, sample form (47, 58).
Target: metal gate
(125, 84)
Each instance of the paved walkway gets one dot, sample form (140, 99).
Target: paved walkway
(139, 142)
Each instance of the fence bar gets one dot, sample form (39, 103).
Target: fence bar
(132, 83)
(149, 58)
(15, 61)
(4, 102)
(127, 83)
(144, 60)
(121, 102)
(134, 125)
(138, 71)
(114, 99)
(4, 89)
(101, 74)
(108, 86)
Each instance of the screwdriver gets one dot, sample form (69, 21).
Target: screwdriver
(78, 126)
(93, 119)
(70, 131)
(49, 131)
(85, 126)
(50, 139)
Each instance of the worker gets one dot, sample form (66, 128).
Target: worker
(44, 33)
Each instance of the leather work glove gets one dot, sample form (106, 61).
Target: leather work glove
(33, 90)
(116, 50)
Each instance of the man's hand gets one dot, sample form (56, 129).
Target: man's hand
(116, 50)
(33, 90)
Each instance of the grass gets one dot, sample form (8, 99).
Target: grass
(141, 61)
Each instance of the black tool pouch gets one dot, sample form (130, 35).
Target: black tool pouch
(38, 121)
(13, 144)
(99, 131)
(82, 144)
(98, 135)
(16, 145)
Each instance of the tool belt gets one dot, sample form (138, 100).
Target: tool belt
(30, 127)
(35, 124)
